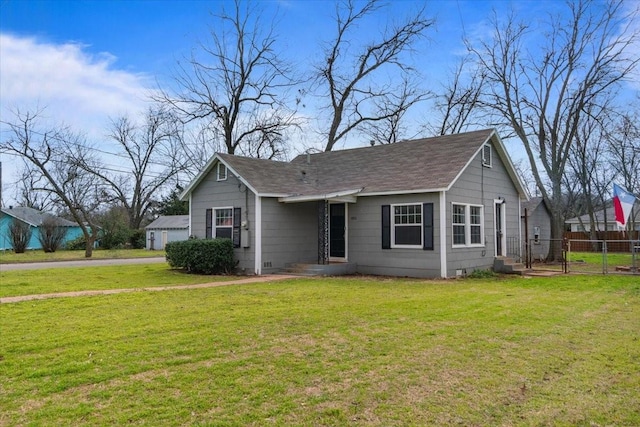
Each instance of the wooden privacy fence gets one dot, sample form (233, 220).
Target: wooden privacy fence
(617, 241)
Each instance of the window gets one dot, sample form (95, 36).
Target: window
(224, 223)
(467, 223)
(222, 172)
(486, 156)
(407, 226)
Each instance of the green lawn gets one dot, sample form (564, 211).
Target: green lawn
(7, 257)
(55, 280)
(559, 351)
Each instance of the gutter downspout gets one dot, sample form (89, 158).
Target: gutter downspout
(443, 234)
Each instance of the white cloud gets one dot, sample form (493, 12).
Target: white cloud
(74, 87)
(77, 88)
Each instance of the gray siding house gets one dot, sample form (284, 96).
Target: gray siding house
(434, 207)
(165, 229)
(536, 228)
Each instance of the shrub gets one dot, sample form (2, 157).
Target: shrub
(77, 244)
(20, 235)
(51, 234)
(482, 274)
(138, 239)
(210, 256)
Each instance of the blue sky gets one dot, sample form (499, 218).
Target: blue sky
(88, 61)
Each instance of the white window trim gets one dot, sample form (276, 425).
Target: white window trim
(467, 226)
(214, 227)
(219, 176)
(393, 227)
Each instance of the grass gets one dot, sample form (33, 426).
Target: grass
(334, 351)
(592, 262)
(9, 257)
(30, 282)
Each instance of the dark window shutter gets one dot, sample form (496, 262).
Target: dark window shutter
(427, 226)
(236, 227)
(386, 227)
(209, 224)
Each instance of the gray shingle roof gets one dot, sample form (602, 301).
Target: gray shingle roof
(34, 217)
(170, 221)
(428, 164)
(422, 164)
(531, 204)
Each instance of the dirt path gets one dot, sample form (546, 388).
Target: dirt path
(255, 279)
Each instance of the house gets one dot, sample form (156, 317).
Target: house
(605, 220)
(434, 207)
(165, 229)
(34, 218)
(536, 228)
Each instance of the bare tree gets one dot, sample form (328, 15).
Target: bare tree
(28, 179)
(346, 75)
(588, 174)
(51, 152)
(624, 155)
(235, 85)
(392, 110)
(543, 95)
(151, 155)
(19, 233)
(458, 103)
(51, 234)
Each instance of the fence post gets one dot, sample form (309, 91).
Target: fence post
(566, 255)
(604, 257)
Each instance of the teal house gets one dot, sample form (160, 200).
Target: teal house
(34, 218)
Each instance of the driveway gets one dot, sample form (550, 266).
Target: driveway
(80, 263)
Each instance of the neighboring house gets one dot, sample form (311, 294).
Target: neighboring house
(536, 227)
(435, 207)
(34, 218)
(164, 229)
(582, 223)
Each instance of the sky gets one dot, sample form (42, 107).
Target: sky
(86, 62)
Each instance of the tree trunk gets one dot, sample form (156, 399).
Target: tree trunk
(88, 249)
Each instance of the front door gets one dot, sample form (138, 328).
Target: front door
(500, 236)
(338, 231)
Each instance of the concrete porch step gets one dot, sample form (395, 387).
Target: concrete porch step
(333, 269)
(507, 265)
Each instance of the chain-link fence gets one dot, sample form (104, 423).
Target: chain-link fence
(584, 256)
(603, 256)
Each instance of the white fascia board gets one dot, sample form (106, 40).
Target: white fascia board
(401, 192)
(511, 169)
(313, 197)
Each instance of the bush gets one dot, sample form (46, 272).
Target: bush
(482, 274)
(210, 256)
(19, 235)
(51, 234)
(77, 244)
(138, 239)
